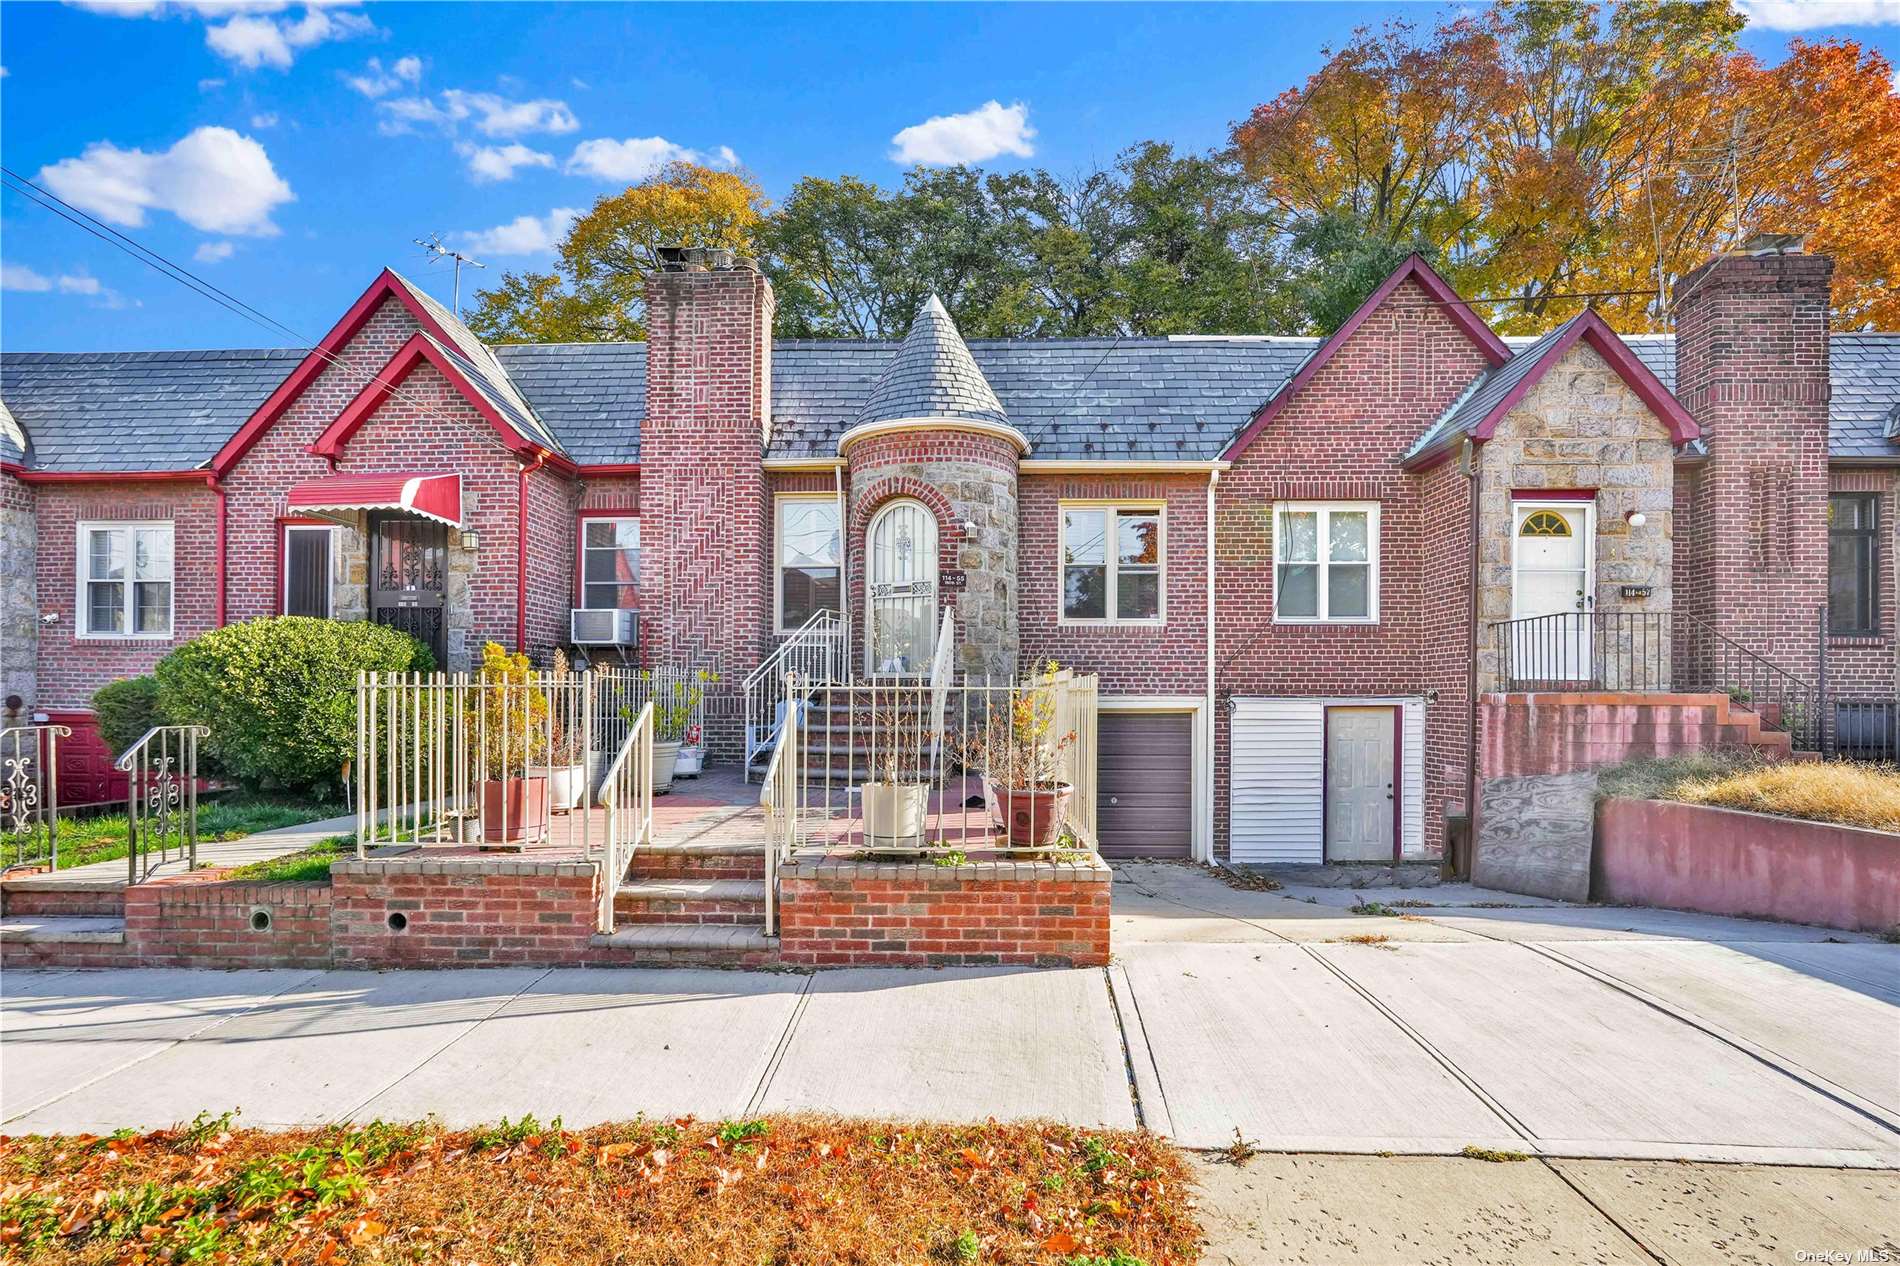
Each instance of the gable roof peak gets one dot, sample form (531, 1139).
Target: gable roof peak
(933, 375)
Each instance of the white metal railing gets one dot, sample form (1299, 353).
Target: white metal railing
(624, 691)
(627, 795)
(816, 653)
(29, 794)
(778, 798)
(161, 798)
(926, 767)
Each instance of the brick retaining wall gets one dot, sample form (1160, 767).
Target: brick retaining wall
(195, 922)
(836, 912)
(471, 912)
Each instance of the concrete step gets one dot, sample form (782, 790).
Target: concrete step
(699, 859)
(51, 894)
(62, 930)
(687, 945)
(712, 902)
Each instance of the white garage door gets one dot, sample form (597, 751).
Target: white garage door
(1277, 781)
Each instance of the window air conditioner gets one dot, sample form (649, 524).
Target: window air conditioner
(603, 627)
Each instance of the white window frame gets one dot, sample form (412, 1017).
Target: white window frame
(1112, 564)
(779, 627)
(82, 571)
(1325, 510)
(581, 532)
(329, 581)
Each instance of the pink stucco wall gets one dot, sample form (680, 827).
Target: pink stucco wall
(1721, 861)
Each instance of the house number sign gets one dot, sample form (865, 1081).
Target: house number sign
(954, 580)
(1636, 591)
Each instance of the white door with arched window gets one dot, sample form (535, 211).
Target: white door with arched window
(1553, 590)
(901, 589)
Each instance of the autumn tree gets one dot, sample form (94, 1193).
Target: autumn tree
(597, 290)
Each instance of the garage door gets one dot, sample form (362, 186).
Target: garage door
(1144, 771)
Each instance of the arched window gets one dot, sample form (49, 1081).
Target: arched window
(1545, 523)
(901, 585)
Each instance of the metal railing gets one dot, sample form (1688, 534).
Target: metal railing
(161, 799)
(778, 799)
(1651, 652)
(623, 692)
(813, 654)
(29, 794)
(912, 767)
(1866, 730)
(627, 795)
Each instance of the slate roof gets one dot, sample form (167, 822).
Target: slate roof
(1864, 411)
(932, 376)
(112, 411)
(492, 381)
(592, 395)
(1489, 388)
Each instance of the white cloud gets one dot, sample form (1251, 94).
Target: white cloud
(1896, 83)
(210, 85)
(4, 72)
(492, 162)
(638, 157)
(523, 235)
(264, 120)
(213, 252)
(1807, 15)
(252, 40)
(213, 179)
(20, 277)
(492, 115)
(375, 81)
(948, 139)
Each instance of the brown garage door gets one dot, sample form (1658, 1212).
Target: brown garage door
(1144, 770)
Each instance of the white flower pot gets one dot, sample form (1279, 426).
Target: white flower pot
(565, 784)
(664, 756)
(690, 762)
(895, 814)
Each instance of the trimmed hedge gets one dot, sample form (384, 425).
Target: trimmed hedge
(126, 710)
(279, 694)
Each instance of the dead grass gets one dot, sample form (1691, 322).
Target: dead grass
(1834, 791)
(1495, 1156)
(780, 1190)
(1378, 939)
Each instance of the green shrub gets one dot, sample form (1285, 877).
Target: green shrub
(279, 694)
(126, 710)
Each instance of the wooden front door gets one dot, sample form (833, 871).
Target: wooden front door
(409, 578)
(1361, 790)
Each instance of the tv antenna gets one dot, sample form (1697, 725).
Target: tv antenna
(432, 246)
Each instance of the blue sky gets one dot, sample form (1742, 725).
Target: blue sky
(260, 144)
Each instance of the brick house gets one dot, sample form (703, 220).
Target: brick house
(1295, 563)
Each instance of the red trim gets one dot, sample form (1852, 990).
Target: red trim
(217, 565)
(284, 523)
(1553, 494)
(521, 553)
(580, 546)
(300, 378)
(1592, 329)
(1418, 270)
(610, 468)
(408, 357)
(26, 476)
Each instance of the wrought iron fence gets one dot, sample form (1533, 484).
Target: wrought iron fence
(625, 691)
(161, 799)
(627, 795)
(1866, 730)
(29, 795)
(1652, 652)
(816, 653)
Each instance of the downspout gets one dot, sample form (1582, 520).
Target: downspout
(521, 551)
(1207, 708)
(1471, 662)
(844, 574)
(217, 565)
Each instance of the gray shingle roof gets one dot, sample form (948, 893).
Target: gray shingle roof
(1864, 411)
(592, 395)
(932, 376)
(109, 411)
(12, 438)
(1488, 390)
(492, 381)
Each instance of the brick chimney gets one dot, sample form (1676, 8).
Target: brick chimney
(705, 513)
(1752, 366)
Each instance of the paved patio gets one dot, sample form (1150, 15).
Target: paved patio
(1564, 1031)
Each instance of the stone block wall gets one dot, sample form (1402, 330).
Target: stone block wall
(841, 912)
(19, 601)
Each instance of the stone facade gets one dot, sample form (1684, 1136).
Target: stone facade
(1582, 429)
(19, 602)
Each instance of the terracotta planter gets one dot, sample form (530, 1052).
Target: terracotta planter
(513, 809)
(1032, 817)
(895, 813)
(664, 757)
(565, 784)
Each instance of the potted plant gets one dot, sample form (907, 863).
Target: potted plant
(673, 712)
(1020, 756)
(507, 741)
(567, 760)
(896, 802)
(692, 755)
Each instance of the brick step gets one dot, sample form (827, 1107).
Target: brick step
(687, 945)
(699, 860)
(706, 901)
(62, 930)
(49, 896)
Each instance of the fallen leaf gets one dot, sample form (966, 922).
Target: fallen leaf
(1061, 1242)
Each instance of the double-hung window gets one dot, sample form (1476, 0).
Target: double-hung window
(810, 563)
(307, 569)
(1853, 564)
(1326, 562)
(610, 564)
(125, 579)
(1113, 569)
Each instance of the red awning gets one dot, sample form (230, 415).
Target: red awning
(437, 497)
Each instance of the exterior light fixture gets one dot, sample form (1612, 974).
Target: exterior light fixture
(1636, 518)
(470, 540)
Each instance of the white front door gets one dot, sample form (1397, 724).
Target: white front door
(1360, 788)
(1553, 590)
(901, 590)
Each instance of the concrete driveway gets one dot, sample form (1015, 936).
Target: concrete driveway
(1514, 1024)
(1565, 1031)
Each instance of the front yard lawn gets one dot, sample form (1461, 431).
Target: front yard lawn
(226, 817)
(1841, 792)
(778, 1190)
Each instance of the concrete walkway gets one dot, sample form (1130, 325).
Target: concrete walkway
(256, 847)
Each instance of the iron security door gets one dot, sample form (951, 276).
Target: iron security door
(409, 578)
(901, 590)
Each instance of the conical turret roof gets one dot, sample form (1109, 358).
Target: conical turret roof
(933, 375)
